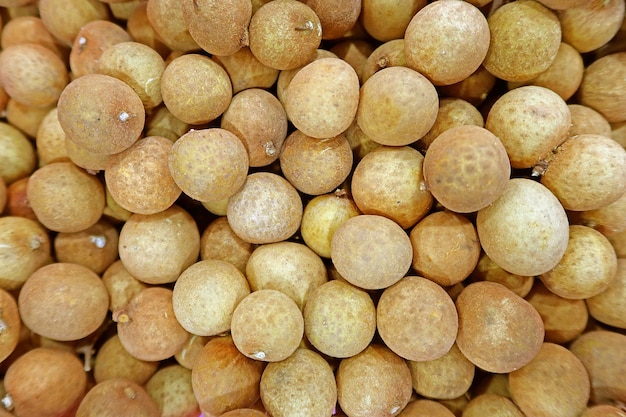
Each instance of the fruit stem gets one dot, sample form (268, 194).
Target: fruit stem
(308, 25)
(270, 149)
(7, 402)
(123, 116)
(88, 351)
(99, 241)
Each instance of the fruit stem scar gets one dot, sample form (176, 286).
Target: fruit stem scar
(82, 42)
(123, 116)
(270, 149)
(308, 25)
(259, 355)
(3, 326)
(7, 402)
(99, 241)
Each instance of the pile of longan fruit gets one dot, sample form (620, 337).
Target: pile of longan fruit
(314, 208)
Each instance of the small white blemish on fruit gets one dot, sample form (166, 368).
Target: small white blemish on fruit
(123, 116)
(99, 241)
(259, 355)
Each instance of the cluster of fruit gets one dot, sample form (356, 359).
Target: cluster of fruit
(287, 208)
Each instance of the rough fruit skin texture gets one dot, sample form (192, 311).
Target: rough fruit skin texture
(371, 251)
(525, 38)
(601, 89)
(466, 168)
(322, 98)
(526, 230)
(311, 391)
(116, 397)
(498, 330)
(447, 41)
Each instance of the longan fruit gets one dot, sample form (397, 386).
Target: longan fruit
(493, 405)
(206, 294)
(452, 112)
(64, 19)
(387, 115)
(587, 120)
(17, 154)
(499, 331)
(45, 382)
(525, 39)
(120, 285)
(600, 88)
(32, 74)
(118, 396)
(607, 307)
(3, 194)
(562, 4)
(139, 66)
(444, 378)
(373, 382)
(488, 270)
(147, 326)
(474, 89)
(315, 166)
(289, 267)
(563, 76)
(445, 247)
(603, 410)
(389, 181)
(564, 319)
(63, 301)
(245, 412)
(141, 30)
(90, 43)
(533, 388)
(17, 201)
(26, 118)
(218, 241)
(186, 357)
(94, 247)
(179, 88)
(139, 179)
(337, 17)
(567, 172)
(246, 71)
(161, 122)
(388, 54)
(65, 198)
(292, 26)
(386, 20)
(114, 361)
(526, 230)
(339, 319)
(259, 120)
(466, 168)
(354, 52)
(101, 113)
(91, 162)
(539, 122)
(219, 27)
(10, 324)
(312, 390)
(591, 24)
(416, 334)
(267, 325)
(266, 209)
(157, 248)
(602, 352)
(50, 139)
(447, 41)
(322, 216)
(371, 251)
(587, 268)
(167, 19)
(223, 379)
(322, 98)
(171, 389)
(24, 247)
(285, 76)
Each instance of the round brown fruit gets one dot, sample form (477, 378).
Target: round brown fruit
(607, 307)
(63, 302)
(487, 404)
(101, 113)
(526, 230)
(63, 19)
(315, 166)
(498, 330)
(17, 154)
(167, 19)
(601, 20)
(386, 20)
(452, 112)
(266, 209)
(45, 382)
(339, 319)
(246, 71)
(147, 326)
(386, 113)
(371, 251)
(208, 164)
(488, 270)
(447, 41)
(312, 392)
(172, 391)
(115, 397)
(285, 34)
(206, 294)
(10, 324)
(587, 120)
(322, 98)
(114, 361)
(600, 88)
(139, 179)
(218, 241)
(466, 168)
(417, 334)
(267, 325)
